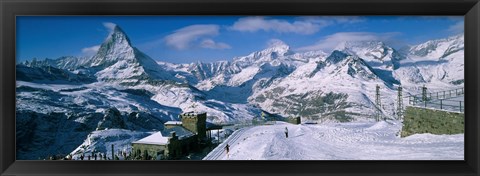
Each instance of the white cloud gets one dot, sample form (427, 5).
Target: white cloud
(330, 42)
(348, 19)
(110, 26)
(331, 20)
(302, 25)
(90, 51)
(183, 38)
(275, 42)
(253, 24)
(457, 27)
(209, 43)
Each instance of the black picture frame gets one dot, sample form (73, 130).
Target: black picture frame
(470, 9)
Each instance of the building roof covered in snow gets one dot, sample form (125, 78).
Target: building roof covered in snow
(156, 139)
(161, 137)
(173, 123)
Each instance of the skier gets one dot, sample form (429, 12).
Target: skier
(286, 132)
(227, 148)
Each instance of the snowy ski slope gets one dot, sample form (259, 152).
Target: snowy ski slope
(337, 141)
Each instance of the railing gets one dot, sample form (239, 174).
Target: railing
(440, 100)
(449, 105)
(437, 95)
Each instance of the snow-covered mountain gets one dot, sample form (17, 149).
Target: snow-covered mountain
(50, 74)
(438, 49)
(121, 91)
(119, 61)
(436, 63)
(376, 53)
(245, 68)
(119, 87)
(338, 86)
(116, 61)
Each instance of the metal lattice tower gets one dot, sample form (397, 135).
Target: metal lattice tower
(400, 103)
(378, 115)
(424, 95)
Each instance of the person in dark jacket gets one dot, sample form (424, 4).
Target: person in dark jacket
(286, 132)
(227, 148)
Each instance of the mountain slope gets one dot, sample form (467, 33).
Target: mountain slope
(376, 53)
(49, 74)
(437, 63)
(337, 87)
(440, 48)
(119, 61)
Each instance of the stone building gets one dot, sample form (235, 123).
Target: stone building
(177, 139)
(196, 123)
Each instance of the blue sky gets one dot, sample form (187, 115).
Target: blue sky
(185, 39)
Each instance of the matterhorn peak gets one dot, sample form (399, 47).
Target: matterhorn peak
(116, 47)
(117, 60)
(118, 36)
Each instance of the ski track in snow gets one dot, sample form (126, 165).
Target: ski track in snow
(349, 141)
(219, 151)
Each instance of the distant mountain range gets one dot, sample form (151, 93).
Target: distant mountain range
(61, 101)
